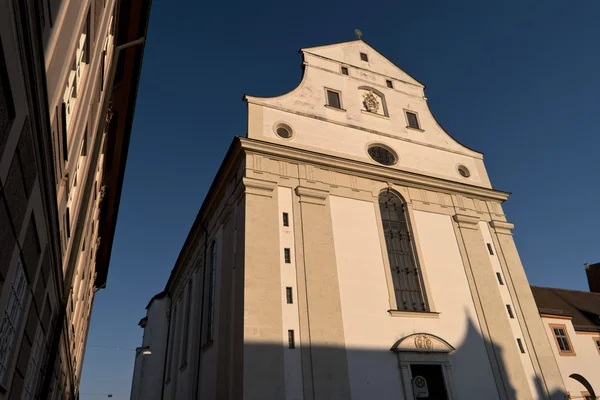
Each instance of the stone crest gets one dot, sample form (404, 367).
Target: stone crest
(370, 102)
(423, 343)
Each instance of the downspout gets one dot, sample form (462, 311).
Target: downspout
(65, 300)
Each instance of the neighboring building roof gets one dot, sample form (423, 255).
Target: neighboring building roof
(582, 307)
(156, 297)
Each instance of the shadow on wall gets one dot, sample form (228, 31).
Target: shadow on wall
(464, 372)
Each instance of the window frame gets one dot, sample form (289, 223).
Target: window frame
(571, 351)
(511, 314)
(500, 279)
(365, 58)
(339, 93)
(521, 346)
(289, 295)
(291, 339)
(389, 83)
(344, 68)
(395, 310)
(416, 114)
(596, 340)
(287, 255)
(285, 219)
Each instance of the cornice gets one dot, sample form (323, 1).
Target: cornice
(502, 227)
(312, 195)
(371, 171)
(258, 187)
(466, 221)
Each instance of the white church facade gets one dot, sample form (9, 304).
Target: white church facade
(348, 245)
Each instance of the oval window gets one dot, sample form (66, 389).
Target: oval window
(463, 171)
(382, 154)
(283, 131)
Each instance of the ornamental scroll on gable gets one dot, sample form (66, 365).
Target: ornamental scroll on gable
(422, 343)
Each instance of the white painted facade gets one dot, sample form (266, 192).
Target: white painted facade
(306, 293)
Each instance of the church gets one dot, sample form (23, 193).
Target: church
(348, 248)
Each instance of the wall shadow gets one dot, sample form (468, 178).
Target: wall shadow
(378, 373)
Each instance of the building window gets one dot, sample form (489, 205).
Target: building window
(34, 364)
(364, 57)
(286, 221)
(68, 222)
(287, 256)
(11, 319)
(406, 276)
(500, 281)
(333, 99)
(463, 171)
(288, 295)
(521, 348)
(490, 250)
(284, 131)
(411, 119)
(345, 70)
(562, 339)
(510, 312)
(211, 291)
(597, 343)
(382, 154)
(389, 83)
(291, 341)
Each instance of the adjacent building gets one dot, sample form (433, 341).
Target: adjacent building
(69, 73)
(347, 246)
(571, 320)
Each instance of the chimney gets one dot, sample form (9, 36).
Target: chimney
(593, 275)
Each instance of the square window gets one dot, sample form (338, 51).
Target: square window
(345, 70)
(288, 295)
(389, 83)
(286, 221)
(510, 312)
(500, 281)
(489, 246)
(520, 346)
(287, 256)
(364, 57)
(291, 341)
(412, 120)
(333, 99)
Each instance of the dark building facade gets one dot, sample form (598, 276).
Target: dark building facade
(69, 73)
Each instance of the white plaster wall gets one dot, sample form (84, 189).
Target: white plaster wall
(291, 357)
(586, 362)
(348, 132)
(368, 328)
(514, 322)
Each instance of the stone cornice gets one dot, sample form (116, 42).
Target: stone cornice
(311, 195)
(258, 187)
(466, 221)
(371, 171)
(502, 227)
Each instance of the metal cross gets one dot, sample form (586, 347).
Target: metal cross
(358, 34)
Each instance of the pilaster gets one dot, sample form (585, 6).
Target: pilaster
(501, 346)
(541, 353)
(322, 297)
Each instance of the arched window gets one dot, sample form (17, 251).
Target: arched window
(406, 276)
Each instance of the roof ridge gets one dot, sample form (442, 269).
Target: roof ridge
(566, 290)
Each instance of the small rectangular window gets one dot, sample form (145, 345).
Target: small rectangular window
(333, 99)
(364, 57)
(509, 309)
(562, 339)
(389, 83)
(286, 221)
(68, 222)
(489, 246)
(287, 256)
(598, 344)
(520, 346)
(500, 281)
(345, 70)
(412, 120)
(291, 341)
(288, 295)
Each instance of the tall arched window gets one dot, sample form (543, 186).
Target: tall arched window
(405, 272)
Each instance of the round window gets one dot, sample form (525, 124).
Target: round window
(283, 131)
(463, 171)
(382, 154)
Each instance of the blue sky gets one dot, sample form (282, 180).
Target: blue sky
(516, 80)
